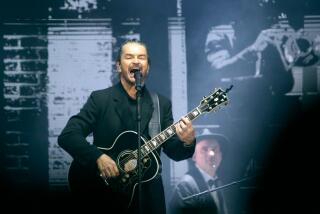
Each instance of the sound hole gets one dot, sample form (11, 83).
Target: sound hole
(127, 161)
(130, 165)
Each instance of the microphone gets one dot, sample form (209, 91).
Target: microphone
(138, 78)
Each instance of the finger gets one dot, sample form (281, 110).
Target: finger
(178, 129)
(112, 171)
(188, 123)
(108, 173)
(115, 170)
(185, 120)
(180, 135)
(183, 125)
(109, 168)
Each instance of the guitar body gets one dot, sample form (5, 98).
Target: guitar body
(124, 152)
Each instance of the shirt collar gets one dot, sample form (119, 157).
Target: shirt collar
(205, 175)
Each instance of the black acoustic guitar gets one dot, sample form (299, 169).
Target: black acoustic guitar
(126, 155)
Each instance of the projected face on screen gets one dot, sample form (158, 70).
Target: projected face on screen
(219, 43)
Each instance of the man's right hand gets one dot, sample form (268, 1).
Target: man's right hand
(107, 166)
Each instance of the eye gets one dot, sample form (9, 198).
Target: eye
(128, 56)
(143, 57)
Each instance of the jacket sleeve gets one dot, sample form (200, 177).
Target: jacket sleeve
(174, 148)
(73, 137)
(178, 203)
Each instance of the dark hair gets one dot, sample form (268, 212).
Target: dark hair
(131, 41)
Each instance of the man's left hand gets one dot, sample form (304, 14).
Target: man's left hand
(185, 131)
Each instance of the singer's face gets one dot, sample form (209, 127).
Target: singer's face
(208, 155)
(134, 55)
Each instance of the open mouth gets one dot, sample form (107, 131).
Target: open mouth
(132, 71)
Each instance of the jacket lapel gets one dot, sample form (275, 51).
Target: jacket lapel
(146, 110)
(121, 103)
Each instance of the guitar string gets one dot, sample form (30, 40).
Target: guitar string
(172, 127)
(132, 156)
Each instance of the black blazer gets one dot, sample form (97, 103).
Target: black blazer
(105, 114)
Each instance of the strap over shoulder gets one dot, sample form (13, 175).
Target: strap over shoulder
(154, 124)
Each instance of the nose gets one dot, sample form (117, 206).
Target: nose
(136, 63)
(136, 60)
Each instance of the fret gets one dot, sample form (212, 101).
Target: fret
(170, 131)
(172, 127)
(165, 132)
(158, 140)
(154, 142)
(147, 148)
(143, 151)
(193, 114)
(150, 145)
(162, 136)
(189, 116)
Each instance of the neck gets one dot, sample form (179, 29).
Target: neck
(211, 171)
(129, 88)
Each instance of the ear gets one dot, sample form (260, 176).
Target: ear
(148, 69)
(118, 67)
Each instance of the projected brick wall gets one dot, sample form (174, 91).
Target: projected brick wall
(25, 65)
(79, 61)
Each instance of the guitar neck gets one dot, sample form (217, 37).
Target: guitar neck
(163, 136)
(208, 104)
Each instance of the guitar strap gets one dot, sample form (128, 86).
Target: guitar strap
(154, 124)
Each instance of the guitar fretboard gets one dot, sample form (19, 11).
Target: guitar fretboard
(208, 104)
(163, 136)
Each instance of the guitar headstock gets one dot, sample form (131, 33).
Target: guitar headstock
(214, 100)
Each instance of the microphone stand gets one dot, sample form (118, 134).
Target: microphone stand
(217, 188)
(137, 76)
